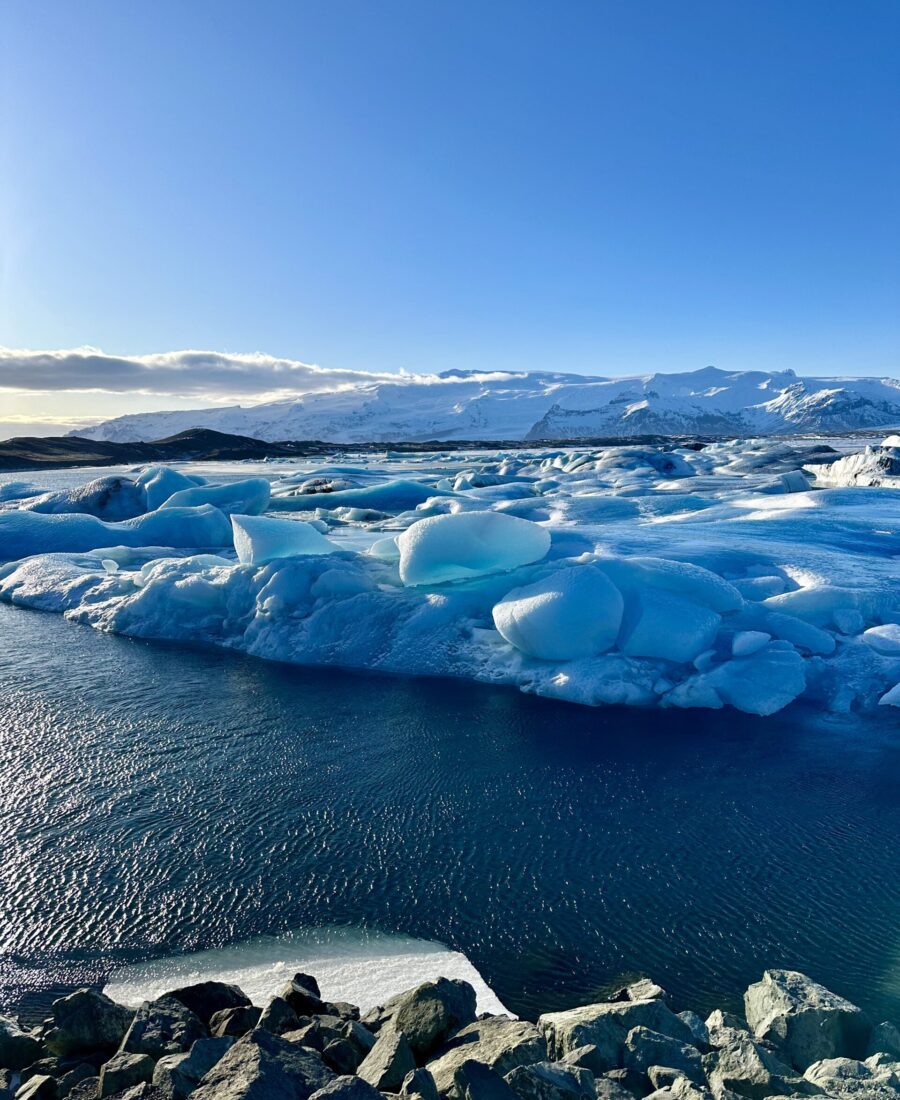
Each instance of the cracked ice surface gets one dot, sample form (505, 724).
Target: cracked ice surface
(746, 574)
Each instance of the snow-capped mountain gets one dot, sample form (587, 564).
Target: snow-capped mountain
(531, 406)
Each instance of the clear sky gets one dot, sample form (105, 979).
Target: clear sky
(609, 186)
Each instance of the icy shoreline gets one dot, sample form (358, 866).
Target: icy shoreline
(208, 1040)
(641, 576)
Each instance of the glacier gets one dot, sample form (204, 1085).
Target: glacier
(748, 573)
(528, 406)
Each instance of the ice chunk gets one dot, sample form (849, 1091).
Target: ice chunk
(390, 496)
(891, 698)
(572, 613)
(468, 544)
(746, 642)
(260, 539)
(245, 498)
(884, 639)
(762, 683)
(386, 549)
(26, 533)
(160, 482)
(110, 498)
(661, 624)
(692, 582)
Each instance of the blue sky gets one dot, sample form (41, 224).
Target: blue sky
(613, 187)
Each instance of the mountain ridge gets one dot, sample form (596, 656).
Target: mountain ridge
(536, 405)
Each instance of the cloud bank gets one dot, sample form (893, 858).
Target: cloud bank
(207, 375)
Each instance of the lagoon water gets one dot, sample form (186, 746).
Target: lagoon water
(156, 800)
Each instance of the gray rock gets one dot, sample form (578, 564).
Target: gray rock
(609, 1088)
(552, 1081)
(747, 1068)
(427, 1014)
(683, 1089)
(724, 1028)
(278, 1017)
(177, 1075)
(606, 1026)
(87, 1089)
(699, 1030)
(18, 1047)
(303, 1000)
(307, 981)
(345, 1010)
(46, 1066)
(124, 1071)
(309, 1035)
(205, 999)
(847, 1077)
(804, 1019)
(262, 1066)
(86, 1021)
(581, 1056)
(645, 1048)
(419, 1085)
(388, 1062)
(143, 1091)
(161, 1027)
(347, 1088)
(73, 1077)
(342, 1056)
(234, 1021)
(363, 1039)
(497, 1042)
(884, 1039)
(645, 990)
(476, 1081)
(40, 1087)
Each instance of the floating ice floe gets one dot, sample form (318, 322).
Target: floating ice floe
(588, 575)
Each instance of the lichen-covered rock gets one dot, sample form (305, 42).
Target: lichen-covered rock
(606, 1026)
(124, 1071)
(161, 1027)
(804, 1020)
(262, 1066)
(86, 1021)
(497, 1042)
(389, 1061)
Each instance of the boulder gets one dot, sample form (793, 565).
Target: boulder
(278, 1017)
(388, 1062)
(86, 1021)
(804, 1020)
(723, 1028)
(234, 1021)
(683, 1089)
(645, 989)
(124, 1071)
(342, 1056)
(177, 1075)
(429, 1013)
(205, 999)
(610, 1089)
(359, 1036)
(580, 1056)
(848, 1077)
(161, 1027)
(18, 1047)
(699, 1030)
(262, 1066)
(88, 1089)
(606, 1026)
(645, 1048)
(67, 1081)
(750, 1070)
(496, 1041)
(884, 1039)
(476, 1081)
(419, 1085)
(347, 1088)
(40, 1087)
(303, 1000)
(552, 1081)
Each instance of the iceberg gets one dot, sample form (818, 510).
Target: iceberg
(261, 539)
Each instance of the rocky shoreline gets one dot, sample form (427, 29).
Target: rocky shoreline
(208, 1042)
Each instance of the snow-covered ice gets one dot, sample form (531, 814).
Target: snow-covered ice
(727, 574)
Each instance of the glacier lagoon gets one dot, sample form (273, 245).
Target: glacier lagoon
(162, 800)
(177, 798)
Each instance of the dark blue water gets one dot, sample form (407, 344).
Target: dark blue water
(157, 799)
